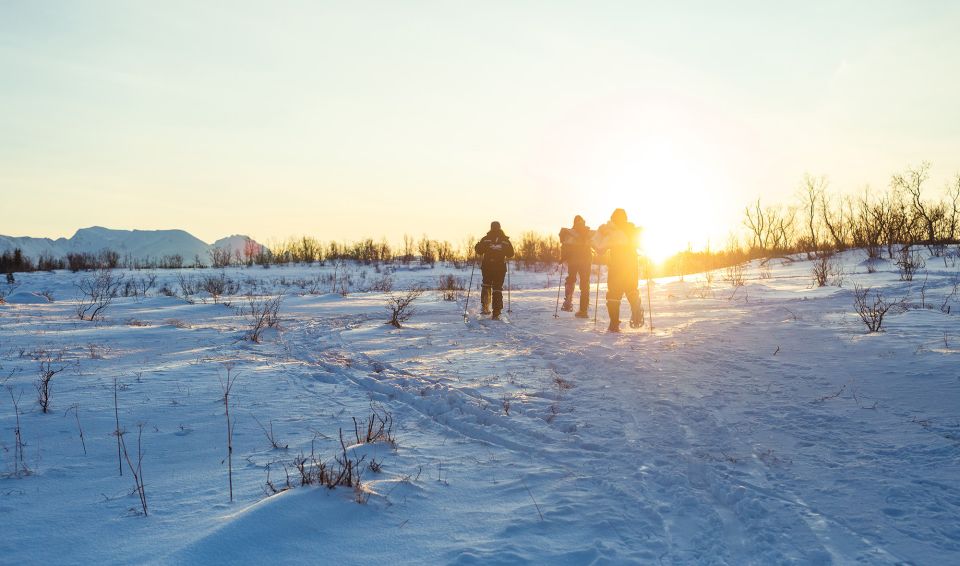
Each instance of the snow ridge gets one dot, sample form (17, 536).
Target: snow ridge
(136, 244)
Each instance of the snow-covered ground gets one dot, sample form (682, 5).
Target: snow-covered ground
(756, 425)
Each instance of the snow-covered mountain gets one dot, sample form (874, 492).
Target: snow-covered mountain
(138, 244)
(237, 244)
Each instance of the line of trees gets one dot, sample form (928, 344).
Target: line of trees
(532, 250)
(906, 214)
(903, 215)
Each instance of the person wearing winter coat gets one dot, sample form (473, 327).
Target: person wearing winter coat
(619, 239)
(577, 251)
(495, 249)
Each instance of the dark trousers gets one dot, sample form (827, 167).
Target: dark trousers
(492, 288)
(582, 271)
(624, 284)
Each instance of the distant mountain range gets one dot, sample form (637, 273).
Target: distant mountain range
(137, 244)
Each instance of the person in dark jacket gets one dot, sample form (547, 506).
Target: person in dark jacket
(620, 238)
(576, 250)
(495, 249)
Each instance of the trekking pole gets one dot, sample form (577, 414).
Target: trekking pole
(470, 286)
(596, 301)
(649, 301)
(509, 307)
(556, 310)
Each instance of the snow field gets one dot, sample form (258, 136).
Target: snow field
(755, 425)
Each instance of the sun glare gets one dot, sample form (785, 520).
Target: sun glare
(666, 191)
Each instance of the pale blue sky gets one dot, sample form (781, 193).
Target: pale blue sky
(349, 119)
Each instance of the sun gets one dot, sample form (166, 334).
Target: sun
(667, 191)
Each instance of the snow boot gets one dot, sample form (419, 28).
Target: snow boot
(486, 297)
(613, 309)
(636, 314)
(584, 305)
(496, 315)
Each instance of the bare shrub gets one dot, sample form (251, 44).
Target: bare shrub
(872, 306)
(188, 287)
(271, 488)
(44, 379)
(178, 323)
(821, 270)
(19, 460)
(276, 444)
(97, 292)
(342, 472)
(263, 313)
(383, 284)
(945, 305)
(377, 428)
(701, 290)
(733, 274)
(401, 306)
(76, 414)
(226, 385)
(908, 263)
(766, 272)
(136, 470)
(144, 284)
(451, 287)
(217, 285)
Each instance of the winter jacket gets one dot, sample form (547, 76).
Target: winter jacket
(495, 248)
(621, 240)
(575, 245)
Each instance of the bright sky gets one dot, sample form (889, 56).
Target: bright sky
(352, 119)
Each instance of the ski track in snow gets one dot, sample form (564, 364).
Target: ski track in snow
(752, 427)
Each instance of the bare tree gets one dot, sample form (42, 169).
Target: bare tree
(408, 249)
(834, 221)
(812, 192)
(220, 256)
(911, 181)
(953, 197)
(97, 292)
(757, 225)
(251, 250)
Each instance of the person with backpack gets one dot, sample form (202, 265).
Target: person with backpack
(495, 249)
(576, 250)
(620, 238)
